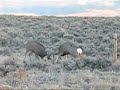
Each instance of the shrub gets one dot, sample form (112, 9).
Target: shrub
(94, 63)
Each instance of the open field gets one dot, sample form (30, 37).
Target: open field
(95, 35)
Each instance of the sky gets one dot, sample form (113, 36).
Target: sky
(61, 7)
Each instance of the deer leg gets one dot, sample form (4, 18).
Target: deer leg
(26, 53)
(58, 57)
(45, 59)
(30, 55)
(66, 57)
(37, 57)
(53, 59)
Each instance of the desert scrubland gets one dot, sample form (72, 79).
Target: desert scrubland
(95, 35)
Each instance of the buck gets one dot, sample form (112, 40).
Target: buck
(38, 49)
(68, 49)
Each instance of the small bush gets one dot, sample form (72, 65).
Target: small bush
(94, 63)
(69, 65)
(54, 40)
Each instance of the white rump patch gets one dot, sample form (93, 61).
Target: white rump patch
(79, 50)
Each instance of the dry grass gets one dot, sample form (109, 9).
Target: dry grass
(21, 75)
(6, 87)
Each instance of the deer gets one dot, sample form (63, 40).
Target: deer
(38, 49)
(68, 48)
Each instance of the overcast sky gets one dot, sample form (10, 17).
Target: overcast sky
(61, 7)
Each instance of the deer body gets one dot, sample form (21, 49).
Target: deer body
(36, 48)
(68, 49)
